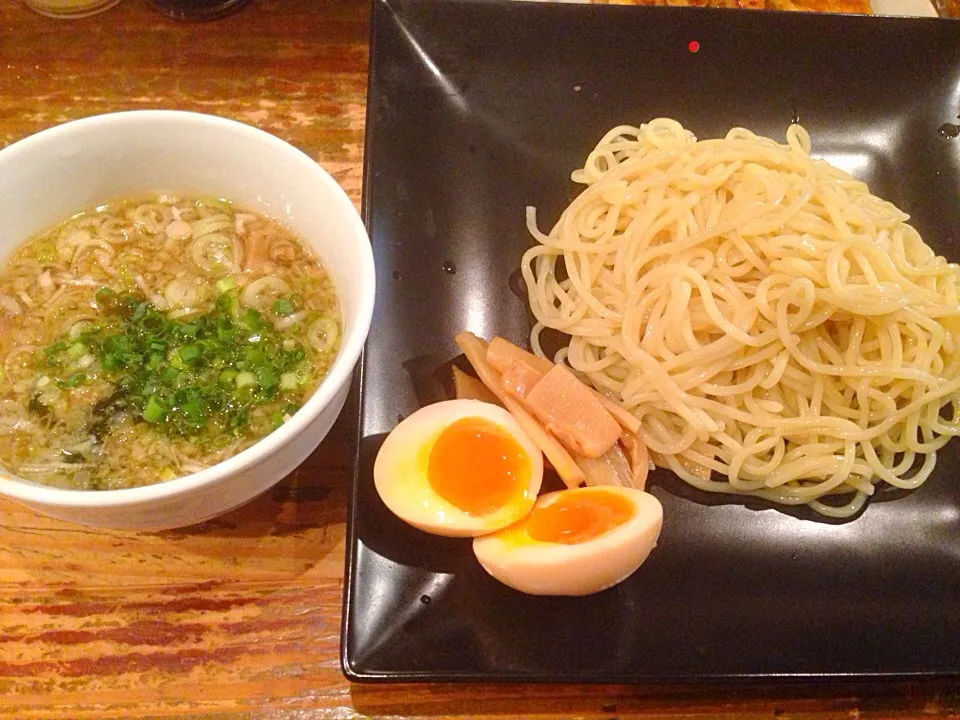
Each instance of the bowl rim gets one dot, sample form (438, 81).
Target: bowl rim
(339, 376)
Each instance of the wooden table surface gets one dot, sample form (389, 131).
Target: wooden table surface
(240, 617)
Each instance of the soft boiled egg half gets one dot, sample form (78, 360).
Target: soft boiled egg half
(574, 542)
(459, 468)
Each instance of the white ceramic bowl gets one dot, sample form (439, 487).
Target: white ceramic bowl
(49, 176)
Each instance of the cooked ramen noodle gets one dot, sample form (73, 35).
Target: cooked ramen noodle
(778, 330)
(152, 338)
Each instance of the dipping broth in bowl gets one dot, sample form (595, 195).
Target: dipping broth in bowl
(154, 337)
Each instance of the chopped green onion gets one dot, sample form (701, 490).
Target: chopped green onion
(175, 360)
(229, 303)
(276, 420)
(226, 284)
(240, 418)
(75, 380)
(226, 332)
(53, 350)
(78, 329)
(189, 353)
(154, 410)
(252, 318)
(192, 409)
(266, 377)
(201, 378)
(283, 307)
(45, 253)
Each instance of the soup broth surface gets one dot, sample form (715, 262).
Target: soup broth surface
(151, 338)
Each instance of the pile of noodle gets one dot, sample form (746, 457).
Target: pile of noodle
(778, 330)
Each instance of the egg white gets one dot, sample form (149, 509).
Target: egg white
(400, 471)
(545, 568)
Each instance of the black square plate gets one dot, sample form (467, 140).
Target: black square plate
(478, 109)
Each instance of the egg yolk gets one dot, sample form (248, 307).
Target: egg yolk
(476, 466)
(576, 517)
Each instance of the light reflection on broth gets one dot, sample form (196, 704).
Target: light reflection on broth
(145, 340)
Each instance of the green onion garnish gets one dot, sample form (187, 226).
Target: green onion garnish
(189, 353)
(226, 284)
(45, 253)
(77, 351)
(154, 410)
(202, 377)
(75, 380)
(266, 378)
(283, 307)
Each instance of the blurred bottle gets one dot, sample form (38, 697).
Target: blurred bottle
(69, 8)
(197, 9)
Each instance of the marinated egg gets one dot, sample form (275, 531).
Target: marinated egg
(574, 542)
(459, 468)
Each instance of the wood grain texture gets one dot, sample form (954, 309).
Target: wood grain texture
(239, 617)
